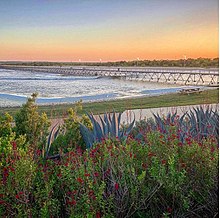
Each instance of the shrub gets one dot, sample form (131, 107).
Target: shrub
(64, 137)
(157, 176)
(28, 122)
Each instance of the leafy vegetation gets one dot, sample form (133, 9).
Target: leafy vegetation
(157, 175)
(106, 127)
(190, 62)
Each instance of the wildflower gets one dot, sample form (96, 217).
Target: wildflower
(169, 210)
(212, 149)
(59, 175)
(116, 186)
(163, 162)
(151, 154)
(11, 168)
(72, 202)
(79, 180)
(98, 214)
(14, 145)
(180, 144)
(183, 165)
(144, 165)
(96, 174)
(87, 174)
(38, 152)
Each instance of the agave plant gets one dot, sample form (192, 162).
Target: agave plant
(106, 127)
(198, 123)
(203, 122)
(52, 136)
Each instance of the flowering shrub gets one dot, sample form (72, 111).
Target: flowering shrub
(157, 176)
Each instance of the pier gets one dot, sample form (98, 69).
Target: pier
(184, 76)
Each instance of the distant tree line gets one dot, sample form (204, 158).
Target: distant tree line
(199, 62)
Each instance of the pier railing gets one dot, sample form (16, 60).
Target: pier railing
(186, 76)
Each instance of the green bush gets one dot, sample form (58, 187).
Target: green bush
(30, 123)
(157, 176)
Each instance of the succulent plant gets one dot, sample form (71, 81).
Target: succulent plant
(52, 136)
(107, 126)
(197, 122)
(203, 122)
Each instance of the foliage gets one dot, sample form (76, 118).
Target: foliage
(69, 133)
(106, 127)
(198, 123)
(8, 139)
(189, 62)
(159, 175)
(31, 124)
(115, 180)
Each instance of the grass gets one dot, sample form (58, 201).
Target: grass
(169, 100)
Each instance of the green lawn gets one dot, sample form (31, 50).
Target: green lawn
(169, 100)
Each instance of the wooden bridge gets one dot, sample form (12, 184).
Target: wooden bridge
(186, 76)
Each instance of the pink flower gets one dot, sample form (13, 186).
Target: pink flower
(96, 174)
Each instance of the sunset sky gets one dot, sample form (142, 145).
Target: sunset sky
(110, 30)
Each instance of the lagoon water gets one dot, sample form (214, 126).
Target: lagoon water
(16, 86)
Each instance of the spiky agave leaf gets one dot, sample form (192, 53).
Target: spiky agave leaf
(87, 135)
(52, 136)
(130, 127)
(104, 127)
(109, 126)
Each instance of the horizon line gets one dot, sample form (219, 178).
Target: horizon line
(106, 61)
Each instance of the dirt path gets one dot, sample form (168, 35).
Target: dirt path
(140, 114)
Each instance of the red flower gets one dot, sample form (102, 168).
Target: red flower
(169, 210)
(2, 201)
(87, 174)
(14, 145)
(150, 154)
(144, 165)
(183, 165)
(98, 214)
(17, 196)
(180, 144)
(116, 186)
(59, 175)
(163, 162)
(72, 202)
(38, 152)
(212, 149)
(96, 174)
(79, 180)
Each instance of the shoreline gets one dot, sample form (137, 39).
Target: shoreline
(88, 99)
(210, 96)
